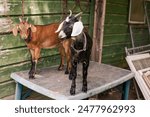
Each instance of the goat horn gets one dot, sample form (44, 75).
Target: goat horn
(27, 19)
(20, 19)
(78, 14)
(70, 12)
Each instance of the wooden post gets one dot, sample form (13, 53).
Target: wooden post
(99, 18)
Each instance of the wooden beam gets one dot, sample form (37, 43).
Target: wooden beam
(99, 18)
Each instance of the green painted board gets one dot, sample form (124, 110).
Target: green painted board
(111, 59)
(10, 41)
(41, 7)
(125, 38)
(116, 38)
(116, 9)
(7, 88)
(115, 29)
(21, 54)
(124, 2)
(43, 62)
(115, 19)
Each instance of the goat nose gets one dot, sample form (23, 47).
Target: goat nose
(24, 37)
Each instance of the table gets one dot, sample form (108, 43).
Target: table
(56, 85)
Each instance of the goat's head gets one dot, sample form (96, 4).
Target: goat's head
(71, 26)
(23, 28)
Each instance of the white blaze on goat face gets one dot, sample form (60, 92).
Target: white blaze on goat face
(67, 19)
(62, 35)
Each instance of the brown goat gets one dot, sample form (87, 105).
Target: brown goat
(42, 36)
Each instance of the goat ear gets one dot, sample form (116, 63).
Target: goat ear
(60, 27)
(15, 30)
(33, 28)
(77, 28)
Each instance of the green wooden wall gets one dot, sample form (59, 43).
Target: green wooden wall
(14, 55)
(116, 33)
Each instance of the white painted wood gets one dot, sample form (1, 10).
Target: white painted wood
(138, 74)
(137, 57)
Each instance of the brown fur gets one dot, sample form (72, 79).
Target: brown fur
(43, 36)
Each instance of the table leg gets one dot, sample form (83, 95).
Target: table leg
(125, 90)
(27, 94)
(18, 91)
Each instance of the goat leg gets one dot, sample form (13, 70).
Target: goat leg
(35, 56)
(68, 63)
(85, 72)
(66, 45)
(73, 87)
(72, 76)
(32, 70)
(62, 56)
(73, 71)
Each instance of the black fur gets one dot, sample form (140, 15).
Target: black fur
(78, 53)
(80, 56)
(32, 70)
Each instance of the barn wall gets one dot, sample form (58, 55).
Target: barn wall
(14, 56)
(116, 33)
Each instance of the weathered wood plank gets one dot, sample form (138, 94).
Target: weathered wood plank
(116, 9)
(115, 29)
(113, 50)
(39, 11)
(37, 20)
(41, 7)
(43, 62)
(115, 19)
(124, 2)
(10, 41)
(21, 54)
(6, 71)
(47, 19)
(7, 88)
(116, 34)
(116, 38)
(125, 38)
(116, 60)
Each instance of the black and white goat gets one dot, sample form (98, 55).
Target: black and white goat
(72, 28)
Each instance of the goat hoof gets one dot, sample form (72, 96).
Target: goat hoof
(70, 76)
(72, 91)
(60, 68)
(84, 89)
(31, 77)
(66, 72)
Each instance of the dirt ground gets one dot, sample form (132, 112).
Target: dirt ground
(116, 93)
